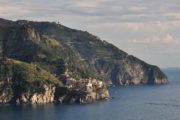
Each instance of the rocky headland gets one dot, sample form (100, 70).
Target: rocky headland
(44, 62)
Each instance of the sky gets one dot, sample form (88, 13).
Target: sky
(147, 29)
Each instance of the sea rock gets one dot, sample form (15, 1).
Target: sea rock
(5, 96)
(90, 91)
(32, 97)
(39, 98)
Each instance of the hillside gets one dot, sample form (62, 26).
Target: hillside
(47, 50)
(86, 55)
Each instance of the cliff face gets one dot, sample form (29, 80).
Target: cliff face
(76, 91)
(33, 97)
(23, 83)
(43, 51)
(65, 95)
(5, 95)
(82, 91)
(131, 71)
(103, 58)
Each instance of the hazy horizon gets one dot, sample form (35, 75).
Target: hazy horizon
(145, 29)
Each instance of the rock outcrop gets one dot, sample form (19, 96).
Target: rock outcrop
(5, 96)
(89, 92)
(131, 71)
(38, 98)
(82, 91)
(31, 96)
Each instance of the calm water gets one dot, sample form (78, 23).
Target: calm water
(130, 103)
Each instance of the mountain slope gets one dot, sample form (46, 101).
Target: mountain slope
(105, 58)
(48, 45)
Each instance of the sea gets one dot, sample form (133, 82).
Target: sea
(149, 102)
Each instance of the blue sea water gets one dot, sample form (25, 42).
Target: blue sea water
(149, 102)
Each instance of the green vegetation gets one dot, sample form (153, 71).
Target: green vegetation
(23, 77)
(42, 51)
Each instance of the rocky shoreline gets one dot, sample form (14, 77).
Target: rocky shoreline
(82, 91)
(89, 92)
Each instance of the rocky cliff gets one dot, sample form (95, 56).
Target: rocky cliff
(81, 91)
(32, 52)
(28, 83)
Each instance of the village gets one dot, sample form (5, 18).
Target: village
(88, 85)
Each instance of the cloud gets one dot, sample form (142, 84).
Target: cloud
(10, 10)
(153, 23)
(125, 26)
(138, 27)
(84, 4)
(115, 11)
(168, 39)
(175, 15)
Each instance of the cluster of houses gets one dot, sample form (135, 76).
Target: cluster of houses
(89, 84)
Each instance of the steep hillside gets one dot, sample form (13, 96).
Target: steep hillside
(34, 67)
(106, 59)
(52, 46)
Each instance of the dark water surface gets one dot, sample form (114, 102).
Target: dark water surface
(130, 103)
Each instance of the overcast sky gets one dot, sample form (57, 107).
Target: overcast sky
(148, 29)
